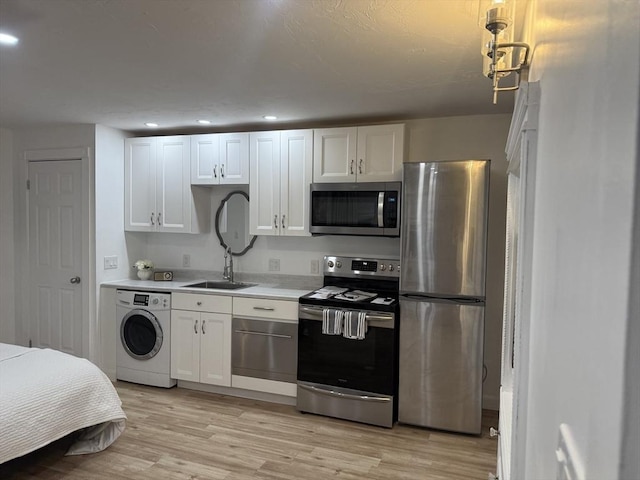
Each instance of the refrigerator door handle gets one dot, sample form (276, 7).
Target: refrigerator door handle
(451, 300)
(381, 209)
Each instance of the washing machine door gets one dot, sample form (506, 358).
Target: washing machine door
(141, 334)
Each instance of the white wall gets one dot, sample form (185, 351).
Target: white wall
(7, 263)
(586, 59)
(452, 138)
(109, 214)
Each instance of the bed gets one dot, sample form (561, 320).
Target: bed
(46, 395)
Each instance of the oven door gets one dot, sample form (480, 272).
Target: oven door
(366, 365)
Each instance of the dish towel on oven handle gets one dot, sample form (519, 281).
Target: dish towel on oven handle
(332, 321)
(355, 327)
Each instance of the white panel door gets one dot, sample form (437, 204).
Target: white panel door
(264, 188)
(380, 153)
(205, 150)
(140, 184)
(234, 158)
(296, 163)
(215, 349)
(173, 194)
(334, 155)
(55, 255)
(185, 345)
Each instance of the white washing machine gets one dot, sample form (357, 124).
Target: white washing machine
(143, 352)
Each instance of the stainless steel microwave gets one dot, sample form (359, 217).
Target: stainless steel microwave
(355, 209)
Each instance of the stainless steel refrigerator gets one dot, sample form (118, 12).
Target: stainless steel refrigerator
(442, 294)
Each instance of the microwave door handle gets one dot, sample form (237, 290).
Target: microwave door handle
(381, 209)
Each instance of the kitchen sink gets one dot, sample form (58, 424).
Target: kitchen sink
(221, 285)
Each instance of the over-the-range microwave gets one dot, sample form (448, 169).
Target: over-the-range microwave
(355, 209)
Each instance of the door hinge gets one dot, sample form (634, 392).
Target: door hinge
(28, 184)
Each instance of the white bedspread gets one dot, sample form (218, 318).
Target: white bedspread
(46, 395)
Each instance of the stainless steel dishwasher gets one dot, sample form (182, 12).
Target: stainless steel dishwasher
(264, 349)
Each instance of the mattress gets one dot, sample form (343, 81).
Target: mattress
(46, 394)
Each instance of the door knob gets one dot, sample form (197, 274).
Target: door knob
(74, 280)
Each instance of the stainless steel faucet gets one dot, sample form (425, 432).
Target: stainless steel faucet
(227, 274)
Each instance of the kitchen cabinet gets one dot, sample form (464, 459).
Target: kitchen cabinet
(280, 171)
(201, 338)
(358, 154)
(158, 194)
(265, 345)
(220, 159)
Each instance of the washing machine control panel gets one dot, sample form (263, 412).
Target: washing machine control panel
(148, 300)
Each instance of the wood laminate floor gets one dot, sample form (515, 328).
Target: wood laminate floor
(184, 434)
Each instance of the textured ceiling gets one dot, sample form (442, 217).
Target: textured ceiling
(121, 63)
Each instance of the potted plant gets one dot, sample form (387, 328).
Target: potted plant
(144, 268)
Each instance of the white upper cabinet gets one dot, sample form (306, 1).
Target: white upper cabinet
(220, 159)
(358, 154)
(280, 166)
(158, 194)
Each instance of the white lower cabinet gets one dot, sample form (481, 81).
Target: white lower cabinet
(201, 338)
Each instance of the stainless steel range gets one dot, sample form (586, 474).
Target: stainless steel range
(348, 342)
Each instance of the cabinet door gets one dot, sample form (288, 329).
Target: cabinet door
(380, 153)
(296, 163)
(215, 349)
(205, 150)
(234, 158)
(334, 155)
(264, 188)
(185, 345)
(140, 186)
(173, 192)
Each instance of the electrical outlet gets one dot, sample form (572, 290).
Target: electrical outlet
(315, 266)
(274, 264)
(186, 260)
(111, 262)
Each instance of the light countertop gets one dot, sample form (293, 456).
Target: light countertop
(278, 291)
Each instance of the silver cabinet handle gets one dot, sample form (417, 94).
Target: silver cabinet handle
(351, 166)
(74, 280)
(159, 218)
(251, 332)
(203, 322)
(152, 222)
(283, 221)
(222, 171)
(267, 309)
(275, 221)
(335, 393)
(215, 171)
(360, 167)
(195, 327)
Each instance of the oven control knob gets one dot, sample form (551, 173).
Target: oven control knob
(339, 264)
(390, 268)
(383, 267)
(330, 263)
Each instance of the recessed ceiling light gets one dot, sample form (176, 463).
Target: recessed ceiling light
(204, 122)
(7, 39)
(151, 124)
(270, 117)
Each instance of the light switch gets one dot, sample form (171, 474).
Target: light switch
(111, 262)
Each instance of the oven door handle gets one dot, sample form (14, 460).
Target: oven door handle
(315, 313)
(335, 393)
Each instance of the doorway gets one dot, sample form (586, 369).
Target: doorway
(57, 287)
